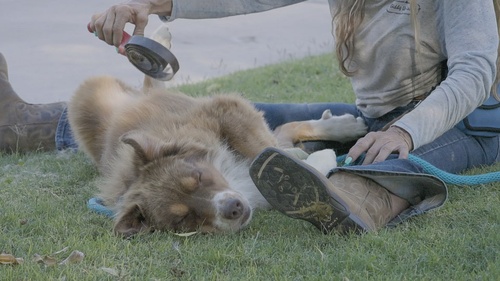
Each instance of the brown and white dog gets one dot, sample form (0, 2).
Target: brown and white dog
(177, 163)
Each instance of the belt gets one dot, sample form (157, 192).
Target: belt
(421, 97)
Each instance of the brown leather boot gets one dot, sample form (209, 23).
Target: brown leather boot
(372, 205)
(25, 127)
(344, 202)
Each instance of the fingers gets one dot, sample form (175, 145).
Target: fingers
(361, 146)
(381, 150)
(109, 26)
(379, 145)
(91, 26)
(140, 21)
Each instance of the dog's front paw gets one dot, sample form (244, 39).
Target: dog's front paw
(297, 152)
(322, 160)
(163, 36)
(342, 128)
(360, 128)
(327, 114)
(354, 125)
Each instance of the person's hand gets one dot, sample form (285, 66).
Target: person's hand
(109, 25)
(379, 145)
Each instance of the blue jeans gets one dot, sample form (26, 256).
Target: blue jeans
(453, 152)
(64, 134)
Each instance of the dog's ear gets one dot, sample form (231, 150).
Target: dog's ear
(130, 222)
(146, 147)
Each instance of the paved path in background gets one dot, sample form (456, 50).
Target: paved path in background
(50, 51)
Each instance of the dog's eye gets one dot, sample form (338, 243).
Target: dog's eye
(206, 178)
(182, 223)
(198, 175)
(179, 220)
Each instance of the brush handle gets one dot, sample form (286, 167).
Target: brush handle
(125, 39)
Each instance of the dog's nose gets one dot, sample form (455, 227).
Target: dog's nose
(232, 209)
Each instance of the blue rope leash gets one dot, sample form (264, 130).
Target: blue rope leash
(453, 178)
(448, 178)
(95, 204)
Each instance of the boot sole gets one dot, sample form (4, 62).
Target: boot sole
(300, 191)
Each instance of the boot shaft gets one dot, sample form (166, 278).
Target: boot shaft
(367, 200)
(25, 127)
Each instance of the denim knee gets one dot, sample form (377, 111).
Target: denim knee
(64, 135)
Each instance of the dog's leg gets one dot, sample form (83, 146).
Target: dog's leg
(242, 127)
(342, 128)
(322, 160)
(91, 109)
(161, 35)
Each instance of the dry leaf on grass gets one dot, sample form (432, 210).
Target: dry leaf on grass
(45, 260)
(186, 234)
(74, 257)
(60, 251)
(111, 271)
(10, 259)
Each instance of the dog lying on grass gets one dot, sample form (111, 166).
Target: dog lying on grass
(177, 163)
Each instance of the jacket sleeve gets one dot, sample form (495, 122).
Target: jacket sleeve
(470, 42)
(204, 9)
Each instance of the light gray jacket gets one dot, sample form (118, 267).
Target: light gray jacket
(461, 31)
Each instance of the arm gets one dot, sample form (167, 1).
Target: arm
(471, 41)
(109, 25)
(202, 9)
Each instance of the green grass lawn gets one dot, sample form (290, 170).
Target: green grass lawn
(43, 210)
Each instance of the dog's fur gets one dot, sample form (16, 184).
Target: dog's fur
(343, 128)
(173, 162)
(169, 161)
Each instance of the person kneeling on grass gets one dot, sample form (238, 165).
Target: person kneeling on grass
(417, 70)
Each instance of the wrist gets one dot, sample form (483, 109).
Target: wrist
(157, 7)
(161, 7)
(404, 135)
